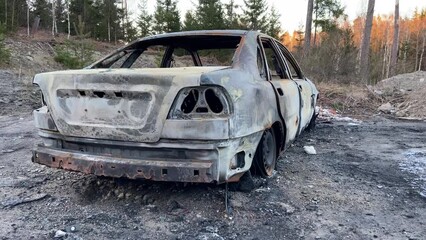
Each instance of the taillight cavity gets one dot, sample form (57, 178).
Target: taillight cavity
(213, 101)
(200, 102)
(190, 101)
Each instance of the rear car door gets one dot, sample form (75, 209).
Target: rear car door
(307, 100)
(286, 90)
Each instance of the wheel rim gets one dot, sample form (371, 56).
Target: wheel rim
(268, 153)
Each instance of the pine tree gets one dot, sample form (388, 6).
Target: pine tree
(210, 14)
(78, 52)
(13, 14)
(254, 15)
(4, 10)
(131, 31)
(326, 14)
(144, 20)
(231, 17)
(4, 52)
(166, 17)
(190, 23)
(61, 17)
(298, 38)
(109, 27)
(274, 24)
(42, 9)
(86, 12)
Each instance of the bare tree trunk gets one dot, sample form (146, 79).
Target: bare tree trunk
(68, 18)
(417, 50)
(53, 18)
(28, 18)
(13, 15)
(109, 31)
(127, 22)
(315, 25)
(388, 56)
(423, 51)
(365, 44)
(385, 50)
(36, 23)
(385, 53)
(54, 28)
(395, 42)
(5, 13)
(124, 19)
(308, 28)
(115, 35)
(407, 39)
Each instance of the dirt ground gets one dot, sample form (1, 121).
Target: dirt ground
(367, 181)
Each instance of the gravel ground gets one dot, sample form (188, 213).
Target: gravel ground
(17, 94)
(365, 182)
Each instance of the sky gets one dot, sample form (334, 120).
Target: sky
(293, 12)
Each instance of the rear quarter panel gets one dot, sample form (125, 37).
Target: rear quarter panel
(254, 102)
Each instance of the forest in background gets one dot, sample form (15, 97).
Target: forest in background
(329, 46)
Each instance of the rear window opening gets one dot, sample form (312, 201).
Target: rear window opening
(175, 51)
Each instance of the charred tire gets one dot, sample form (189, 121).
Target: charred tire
(312, 123)
(246, 183)
(265, 158)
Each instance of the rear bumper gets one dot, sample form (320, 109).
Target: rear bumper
(158, 170)
(167, 160)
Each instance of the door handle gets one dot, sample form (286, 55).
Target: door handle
(280, 91)
(300, 87)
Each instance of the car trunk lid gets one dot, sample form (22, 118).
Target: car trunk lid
(115, 104)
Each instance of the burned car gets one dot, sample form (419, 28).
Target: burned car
(200, 106)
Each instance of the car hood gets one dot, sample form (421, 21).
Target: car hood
(115, 104)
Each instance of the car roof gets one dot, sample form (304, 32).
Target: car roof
(198, 32)
(251, 34)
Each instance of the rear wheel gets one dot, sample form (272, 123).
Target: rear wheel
(246, 183)
(265, 158)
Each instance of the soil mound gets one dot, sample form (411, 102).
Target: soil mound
(404, 94)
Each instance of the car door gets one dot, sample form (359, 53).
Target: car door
(286, 90)
(307, 98)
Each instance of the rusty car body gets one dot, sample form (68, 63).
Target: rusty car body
(176, 120)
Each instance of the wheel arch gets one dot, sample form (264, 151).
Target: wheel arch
(280, 135)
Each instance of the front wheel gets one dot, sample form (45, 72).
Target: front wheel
(265, 158)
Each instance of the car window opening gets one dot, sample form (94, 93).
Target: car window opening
(175, 52)
(272, 59)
